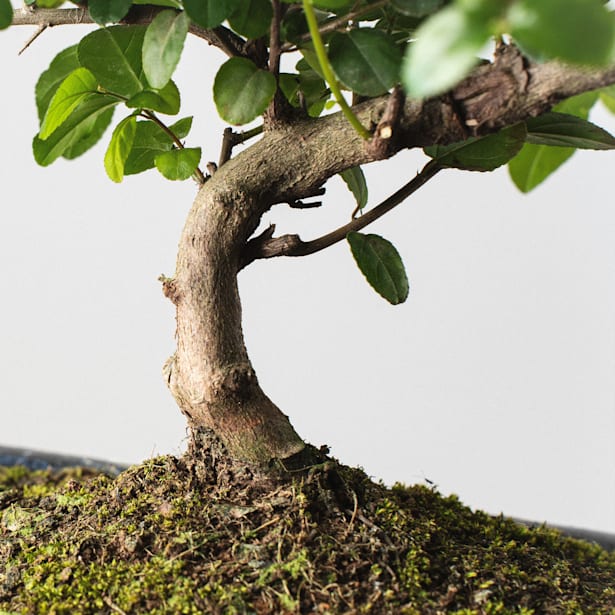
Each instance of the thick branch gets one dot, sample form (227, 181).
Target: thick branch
(291, 162)
(221, 37)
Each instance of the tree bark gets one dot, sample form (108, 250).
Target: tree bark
(210, 375)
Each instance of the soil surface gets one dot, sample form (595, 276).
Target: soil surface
(186, 536)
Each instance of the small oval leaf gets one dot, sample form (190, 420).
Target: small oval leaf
(381, 265)
(242, 91)
(365, 60)
(416, 8)
(445, 50)
(481, 153)
(61, 66)
(75, 131)
(163, 45)
(108, 11)
(71, 93)
(166, 100)
(210, 13)
(355, 180)
(534, 163)
(119, 147)
(577, 31)
(6, 14)
(252, 18)
(113, 55)
(178, 164)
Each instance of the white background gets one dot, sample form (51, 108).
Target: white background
(495, 380)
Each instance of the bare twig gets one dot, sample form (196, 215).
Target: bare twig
(267, 246)
(274, 39)
(227, 146)
(221, 37)
(42, 27)
(230, 139)
(384, 135)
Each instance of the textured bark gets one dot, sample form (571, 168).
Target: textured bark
(210, 375)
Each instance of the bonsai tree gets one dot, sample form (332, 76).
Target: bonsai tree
(362, 81)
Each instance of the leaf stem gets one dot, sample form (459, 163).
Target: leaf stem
(327, 71)
(150, 115)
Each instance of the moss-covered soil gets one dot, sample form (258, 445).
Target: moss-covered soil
(176, 536)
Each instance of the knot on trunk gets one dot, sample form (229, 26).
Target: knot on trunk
(236, 381)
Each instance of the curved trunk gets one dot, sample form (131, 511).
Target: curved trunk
(210, 375)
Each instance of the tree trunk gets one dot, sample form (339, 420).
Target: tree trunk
(210, 375)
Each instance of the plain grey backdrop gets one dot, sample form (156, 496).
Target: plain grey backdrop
(495, 380)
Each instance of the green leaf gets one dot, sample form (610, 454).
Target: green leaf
(166, 100)
(151, 140)
(182, 127)
(481, 153)
(6, 14)
(366, 60)
(49, 4)
(445, 50)
(577, 31)
(108, 11)
(416, 8)
(172, 4)
(535, 163)
(242, 91)
(562, 129)
(355, 180)
(71, 93)
(119, 147)
(88, 134)
(71, 131)
(332, 5)
(179, 164)
(113, 55)
(607, 97)
(252, 18)
(163, 45)
(61, 66)
(210, 13)
(381, 265)
(306, 89)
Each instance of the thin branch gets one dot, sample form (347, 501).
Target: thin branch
(221, 37)
(274, 39)
(38, 32)
(231, 138)
(385, 133)
(275, 109)
(267, 246)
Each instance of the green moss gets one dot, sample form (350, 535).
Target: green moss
(169, 537)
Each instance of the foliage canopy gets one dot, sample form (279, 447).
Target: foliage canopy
(364, 48)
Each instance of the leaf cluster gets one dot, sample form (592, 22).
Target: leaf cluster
(340, 49)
